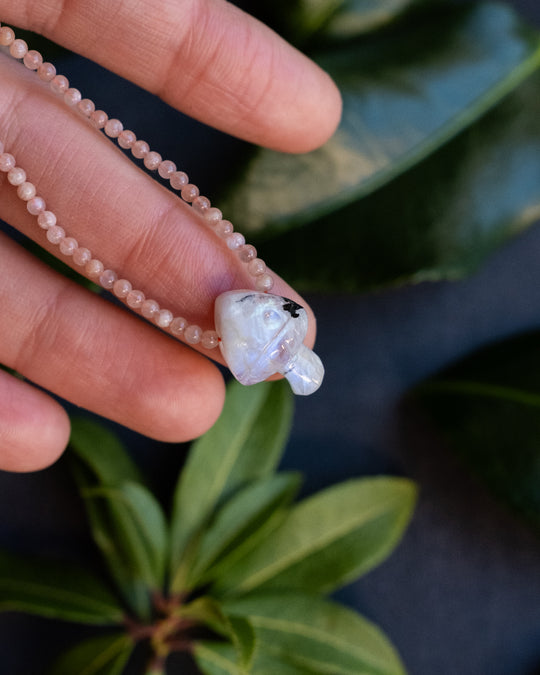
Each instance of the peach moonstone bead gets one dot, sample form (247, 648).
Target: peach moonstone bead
(18, 49)
(7, 36)
(178, 325)
(7, 162)
(140, 149)
(135, 299)
(36, 205)
(149, 309)
(126, 139)
(16, 176)
(55, 234)
(178, 180)
(72, 97)
(121, 288)
(26, 191)
(152, 160)
(68, 246)
(99, 118)
(193, 334)
(46, 220)
(32, 60)
(94, 268)
(86, 107)
(163, 318)
(107, 279)
(46, 71)
(113, 128)
(81, 256)
(59, 84)
(166, 168)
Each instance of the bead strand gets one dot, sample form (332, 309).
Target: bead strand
(94, 268)
(152, 160)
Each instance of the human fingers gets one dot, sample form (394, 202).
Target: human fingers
(204, 57)
(88, 351)
(141, 230)
(136, 225)
(34, 429)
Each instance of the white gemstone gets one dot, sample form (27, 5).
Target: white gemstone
(262, 334)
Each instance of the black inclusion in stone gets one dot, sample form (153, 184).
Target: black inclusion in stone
(292, 307)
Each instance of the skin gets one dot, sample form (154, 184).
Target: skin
(237, 75)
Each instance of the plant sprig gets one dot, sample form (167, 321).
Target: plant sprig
(236, 575)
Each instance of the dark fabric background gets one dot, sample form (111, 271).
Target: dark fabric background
(461, 595)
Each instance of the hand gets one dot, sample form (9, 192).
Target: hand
(208, 59)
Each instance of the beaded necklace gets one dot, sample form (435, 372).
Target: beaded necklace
(259, 334)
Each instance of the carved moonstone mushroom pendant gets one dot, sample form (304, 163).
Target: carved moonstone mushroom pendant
(262, 334)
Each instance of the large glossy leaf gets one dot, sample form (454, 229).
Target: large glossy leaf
(439, 220)
(328, 539)
(309, 631)
(245, 444)
(406, 92)
(55, 590)
(103, 655)
(239, 523)
(102, 452)
(488, 409)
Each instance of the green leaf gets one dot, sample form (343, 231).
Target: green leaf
(55, 590)
(360, 16)
(244, 641)
(309, 22)
(102, 452)
(240, 522)
(239, 652)
(156, 670)
(267, 662)
(104, 655)
(315, 14)
(205, 610)
(140, 528)
(328, 539)
(488, 409)
(208, 611)
(106, 519)
(404, 95)
(230, 561)
(439, 220)
(322, 635)
(127, 522)
(245, 444)
(216, 658)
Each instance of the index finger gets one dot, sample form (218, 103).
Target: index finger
(205, 57)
